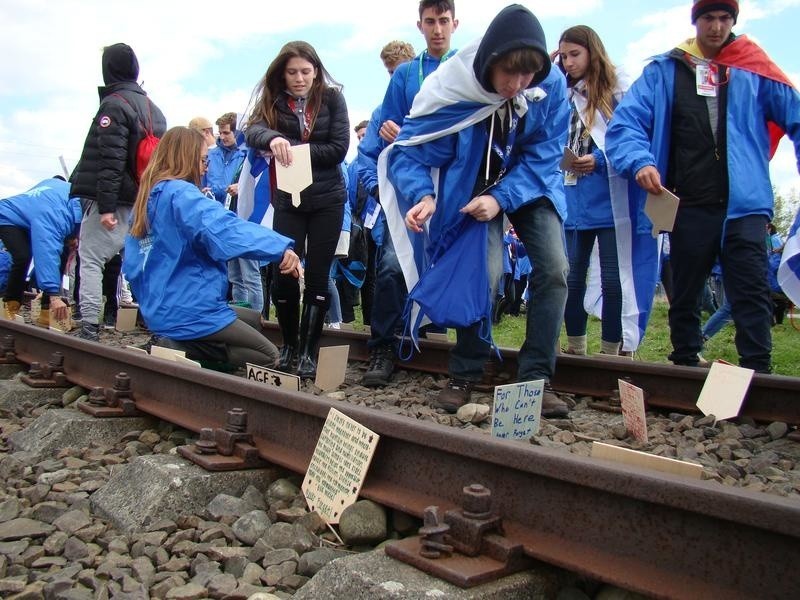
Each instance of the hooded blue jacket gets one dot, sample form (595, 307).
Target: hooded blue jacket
(178, 271)
(222, 165)
(50, 216)
(639, 132)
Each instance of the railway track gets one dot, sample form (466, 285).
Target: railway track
(657, 534)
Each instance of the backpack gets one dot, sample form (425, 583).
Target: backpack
(147, 145)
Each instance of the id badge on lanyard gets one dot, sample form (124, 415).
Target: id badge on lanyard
(706, 80)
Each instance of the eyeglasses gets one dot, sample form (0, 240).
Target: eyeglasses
(204, 160)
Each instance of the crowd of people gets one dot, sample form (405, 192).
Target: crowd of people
(491, 173)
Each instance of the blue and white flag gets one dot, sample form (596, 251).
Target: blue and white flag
(451, 99)
(255, 195)
(637, 252)
(789, 269)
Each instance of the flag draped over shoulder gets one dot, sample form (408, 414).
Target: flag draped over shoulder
(789, 269)
(451, 99)
(255, 190)
(744, 54)
(637, 253)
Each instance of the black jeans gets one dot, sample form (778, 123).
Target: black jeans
(18, 243)
(315, 235)
(700, 234)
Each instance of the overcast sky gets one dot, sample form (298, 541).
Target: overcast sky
(204, 58)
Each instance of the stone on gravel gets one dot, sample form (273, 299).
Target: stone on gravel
(17, 529)
(363, 522)
(311, 562)
(777, 430)
(473, 413)
(251, 526)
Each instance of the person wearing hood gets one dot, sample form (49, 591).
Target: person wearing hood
(40, 224)
(703, 121)
(485, 137)
(105, 177)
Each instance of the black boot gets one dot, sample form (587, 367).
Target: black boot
(310, 332)
(287, 312)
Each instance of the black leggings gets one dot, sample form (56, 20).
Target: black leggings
(315, 235)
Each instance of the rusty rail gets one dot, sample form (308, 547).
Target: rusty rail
(661, 535)
(770, 397)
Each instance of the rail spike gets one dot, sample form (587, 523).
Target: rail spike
(51, 375)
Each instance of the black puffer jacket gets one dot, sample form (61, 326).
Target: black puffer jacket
(329, 141)
(105, 172)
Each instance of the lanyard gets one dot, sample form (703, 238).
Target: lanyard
(505, 152)
(422, 59)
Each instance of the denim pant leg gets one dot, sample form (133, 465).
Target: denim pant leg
(470, 352)
(245, 278)
(694, 245)
(335, 308)
(717, 321)
(539, 227)
(389, 297)
(579, 249)
(611, 326)
(744, 272)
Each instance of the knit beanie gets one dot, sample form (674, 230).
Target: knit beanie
(701, 7)
(119, 64)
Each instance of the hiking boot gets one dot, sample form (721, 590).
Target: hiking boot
(454, 396)
(553, 407)
(43, 320)
(381, 367)
(12, 309)
(89, 331)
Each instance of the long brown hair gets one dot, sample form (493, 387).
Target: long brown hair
(177, 156)
(273, 84)
(600, 77)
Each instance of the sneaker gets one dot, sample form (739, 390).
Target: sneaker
(454, 396)
(553, 407)
(381, 367)
(89, 331)
(110, 321)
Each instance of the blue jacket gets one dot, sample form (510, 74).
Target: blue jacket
(589, 201)
(532, 171)
(639, 132)
(178, 271)
(222, 165)
(49, 216)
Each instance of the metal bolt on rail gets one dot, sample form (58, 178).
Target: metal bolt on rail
(478, 550)
(51, 375)
(432, 535)
(227, 448)
(8, 352)
(115, 402)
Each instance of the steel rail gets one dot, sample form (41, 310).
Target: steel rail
(657, 534)
(770, 397)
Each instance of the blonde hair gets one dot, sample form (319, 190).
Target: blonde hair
(177, 156)
(600, 77)
(396, 52)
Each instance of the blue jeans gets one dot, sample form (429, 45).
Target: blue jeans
(579, 248)
(335, 308)
(245, 278)
(390, 295)
(720, 318)
(540, 229)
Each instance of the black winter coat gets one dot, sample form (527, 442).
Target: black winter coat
(105, 172)
(329, 139)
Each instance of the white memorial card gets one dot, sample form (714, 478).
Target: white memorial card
(661, 210)
(633, 413)
(517, 410)
(339, 465)
(272, 378)
(297, 176)
(724, 390)
(331, 367)
(626, 456)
